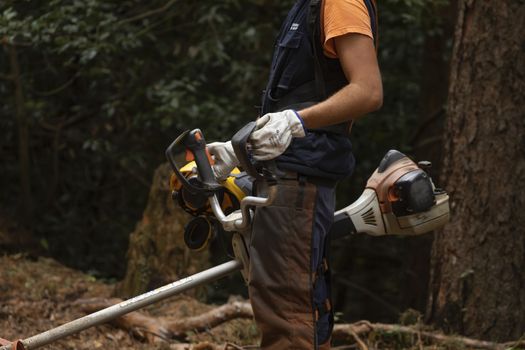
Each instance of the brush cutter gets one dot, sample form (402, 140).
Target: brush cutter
(399, 199)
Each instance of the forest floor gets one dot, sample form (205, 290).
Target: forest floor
(39, 294)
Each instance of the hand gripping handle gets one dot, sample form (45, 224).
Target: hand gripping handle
(240, 147)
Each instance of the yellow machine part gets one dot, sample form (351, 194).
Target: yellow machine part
(232, 187)
(229, 184)
(187, 171)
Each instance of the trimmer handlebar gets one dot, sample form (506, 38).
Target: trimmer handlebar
(262, 171)
(206, 183)
(196, 143)
(195, 146)
(240, 147)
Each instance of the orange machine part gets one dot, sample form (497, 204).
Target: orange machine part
(383, 183)
(189, 156)
(175, 184)
(210, 158)
(16, 345)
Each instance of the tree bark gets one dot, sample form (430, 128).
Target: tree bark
(157, 254)
(427, 139)
(478, 260)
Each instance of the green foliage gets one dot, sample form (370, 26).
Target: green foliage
(108, 84)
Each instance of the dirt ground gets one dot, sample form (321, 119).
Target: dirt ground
(38, 294)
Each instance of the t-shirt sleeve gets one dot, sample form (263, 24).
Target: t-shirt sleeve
(342, 17)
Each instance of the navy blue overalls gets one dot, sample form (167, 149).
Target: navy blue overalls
(289, 278)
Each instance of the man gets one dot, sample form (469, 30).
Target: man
(324, 75)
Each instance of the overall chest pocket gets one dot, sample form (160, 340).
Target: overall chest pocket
(291, 40)
(288, 61)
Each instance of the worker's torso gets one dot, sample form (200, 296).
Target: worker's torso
(292, 84)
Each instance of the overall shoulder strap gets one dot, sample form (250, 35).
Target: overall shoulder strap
(372, 12)
(314, 28)
(321, 61)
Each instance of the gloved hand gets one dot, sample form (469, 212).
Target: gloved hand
(274, 132)
(225, 159)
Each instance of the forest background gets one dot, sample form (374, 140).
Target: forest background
(93, 91)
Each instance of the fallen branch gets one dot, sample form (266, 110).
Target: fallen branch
(518, 344)
(212, 318)
(344, 331)
(360, 343)
(168, 329)
(164, 328)
(139, 324)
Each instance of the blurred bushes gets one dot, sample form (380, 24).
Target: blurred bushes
(106, 86)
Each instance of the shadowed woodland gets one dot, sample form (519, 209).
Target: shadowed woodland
(92, 92)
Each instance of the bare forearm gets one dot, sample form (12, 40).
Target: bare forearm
(350, 103)
(364, 93)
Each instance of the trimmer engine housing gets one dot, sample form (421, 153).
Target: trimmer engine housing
(399, 199)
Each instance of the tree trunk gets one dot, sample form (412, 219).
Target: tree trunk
(157, 254)
(427, 139)
(478, 260)
(23, 137)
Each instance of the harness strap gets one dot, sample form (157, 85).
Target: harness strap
(322, 309)
(372, 12)
(326, 306)
(321, 270)
(314, 25)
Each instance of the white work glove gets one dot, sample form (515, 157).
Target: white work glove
(225, 159)
(274, 132)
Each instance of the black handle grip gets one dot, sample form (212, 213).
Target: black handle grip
(196, 144)
(239, 144)
(240, 147)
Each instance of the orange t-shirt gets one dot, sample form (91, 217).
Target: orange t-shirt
(342, 17)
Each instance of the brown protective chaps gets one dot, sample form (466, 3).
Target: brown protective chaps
(286, 250)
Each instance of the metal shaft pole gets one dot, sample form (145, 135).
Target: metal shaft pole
(129, 305)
